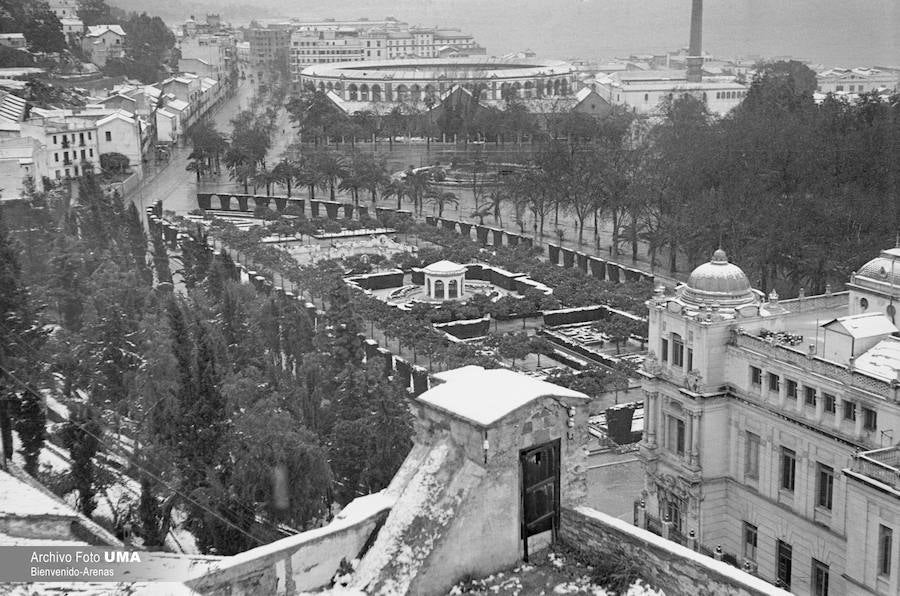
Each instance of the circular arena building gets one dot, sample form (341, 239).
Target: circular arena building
(417, 79)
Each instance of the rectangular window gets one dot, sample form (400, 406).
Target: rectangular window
(870, 419)
(885, 546)
(91, 152)
(83, 155)
(690, 359)
(809, 396)
(750, 541)
(774, 382)
(830, 404)
(54, 139)
(675, 435)
(819, 578)
(849, 410)
(108, 135)
(783, 552)
(677, 350)
(788, 468)
(751, 456)
(56, 157)
(664, 350)
(89, 136)
(824, 486)
(791, 389)
(755, 376)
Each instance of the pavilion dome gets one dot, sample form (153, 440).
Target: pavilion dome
(718, 282)
(882, 270)
(445, 268)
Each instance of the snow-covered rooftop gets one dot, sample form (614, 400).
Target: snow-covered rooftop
(18, 499)
(865, 325)
(485, 396)
(882, 360)
(445, 267)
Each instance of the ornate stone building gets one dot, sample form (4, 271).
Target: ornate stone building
(771, 427)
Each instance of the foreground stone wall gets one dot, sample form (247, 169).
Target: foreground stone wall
(307, 561)
(676, 569)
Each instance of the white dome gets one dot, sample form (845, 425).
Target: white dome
(718, 281)
(445, 268)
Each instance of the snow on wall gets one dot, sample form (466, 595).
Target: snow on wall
(425, 506)
(678, 569)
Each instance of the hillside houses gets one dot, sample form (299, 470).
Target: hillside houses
(131, 120)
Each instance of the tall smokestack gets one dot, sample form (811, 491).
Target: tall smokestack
(695, 51)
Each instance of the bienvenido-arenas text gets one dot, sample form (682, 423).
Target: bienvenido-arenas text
(71, 572)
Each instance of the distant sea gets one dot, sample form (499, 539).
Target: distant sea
(829, 32)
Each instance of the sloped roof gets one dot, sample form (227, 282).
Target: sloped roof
(882, 360)
(860, 326)
(12, 107)
(485, 396)
(98, 30)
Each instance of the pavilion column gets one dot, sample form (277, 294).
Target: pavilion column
(695, 439)
(838, 411)
(801, 398)
(858, 427)
(782, 391)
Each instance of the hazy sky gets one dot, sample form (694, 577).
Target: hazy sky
(839, 32)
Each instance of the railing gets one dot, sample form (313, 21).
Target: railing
(880, 465)
(815, 364)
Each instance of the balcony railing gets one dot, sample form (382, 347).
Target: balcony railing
(882, 465)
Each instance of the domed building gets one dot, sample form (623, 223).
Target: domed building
(771, 426)
(876, 286)
(718, 282)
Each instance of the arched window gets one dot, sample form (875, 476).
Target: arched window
(452, 289)
(428, 291)
(354, 92)
(364, 92)
(863, 304)
(376, 92)
(646, 97)
(439, 289)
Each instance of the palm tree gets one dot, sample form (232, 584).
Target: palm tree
(376, 177)
(243, 173)
(418, 186)
(284, 173)
(440, 199)
(395, 188)
(331, 168)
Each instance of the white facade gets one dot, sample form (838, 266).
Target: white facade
(20, 158)
(71, 144)
(644, 91)
(102, 42)
(13, 40)
(120, 133)
(752, 430)
(857, 80)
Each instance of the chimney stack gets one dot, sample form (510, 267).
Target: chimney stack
(695, 50)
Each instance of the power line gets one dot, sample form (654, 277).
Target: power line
(141, 468)
(243, 505)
